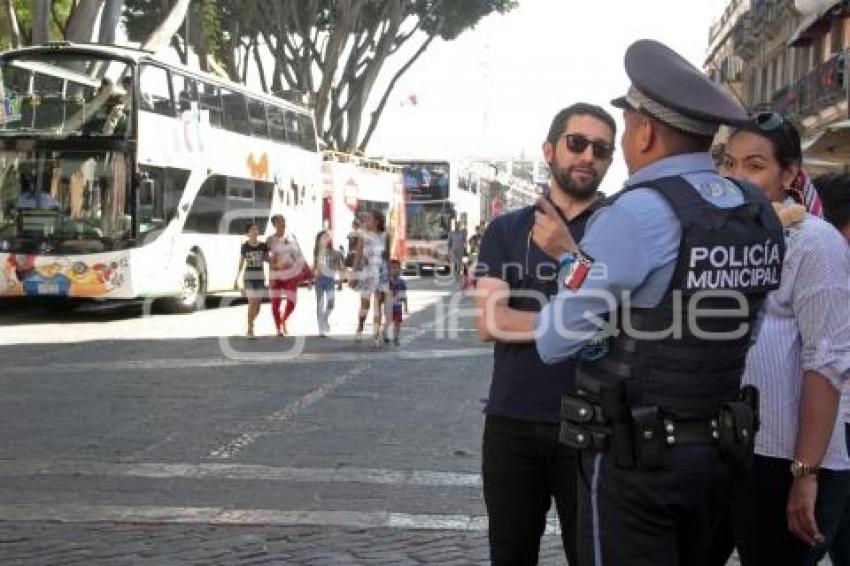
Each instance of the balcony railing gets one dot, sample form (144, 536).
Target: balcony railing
(821, 87)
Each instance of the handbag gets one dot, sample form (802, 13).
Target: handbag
(304, 274)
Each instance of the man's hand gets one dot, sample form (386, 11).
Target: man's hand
(801, 510)
(550, 233)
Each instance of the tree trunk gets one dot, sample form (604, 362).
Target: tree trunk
(261, 70)
(110, 18)
(347, 13)
(81, 21)
(14, 29)
(40, 10)
(376, 114)
(394, 18)
(161, 36)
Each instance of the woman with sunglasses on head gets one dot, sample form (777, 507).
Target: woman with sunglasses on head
(800, 359)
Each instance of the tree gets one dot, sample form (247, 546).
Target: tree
(337, 51)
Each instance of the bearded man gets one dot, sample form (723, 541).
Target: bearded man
(524, 466)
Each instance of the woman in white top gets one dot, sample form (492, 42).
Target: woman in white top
(371, 272)
(799, 362)
(287, 263)
(834, 191)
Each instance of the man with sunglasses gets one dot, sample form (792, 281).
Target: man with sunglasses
(524, 466)
(658, 305)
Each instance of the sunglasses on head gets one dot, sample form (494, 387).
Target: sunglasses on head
(768, 121)
(577, 143)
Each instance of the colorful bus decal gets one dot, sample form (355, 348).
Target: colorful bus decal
(96, 275)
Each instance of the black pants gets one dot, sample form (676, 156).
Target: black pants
(758, 524)
(666, 517)
(524, 467)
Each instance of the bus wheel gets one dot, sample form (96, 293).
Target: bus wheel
(193, 292)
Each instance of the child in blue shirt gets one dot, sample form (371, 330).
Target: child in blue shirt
(398, 296)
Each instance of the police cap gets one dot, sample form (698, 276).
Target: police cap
(671, 90)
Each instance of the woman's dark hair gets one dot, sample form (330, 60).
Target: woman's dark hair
(251, 225)
(783, 136)
(834, 192)
(559, 122)
(380, 219)
(318, 241)
(278, 217)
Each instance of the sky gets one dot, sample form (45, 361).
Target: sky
(493, 91)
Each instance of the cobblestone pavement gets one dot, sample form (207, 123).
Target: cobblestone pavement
(128, 438)
(45, 543)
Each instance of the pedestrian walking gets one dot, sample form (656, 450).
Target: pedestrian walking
(789, 505)
(325, 267)
(658, 416)
(371, 275)
(398, 301)
(457, 249)
(524, 466)
(289, 268)
(252, 257)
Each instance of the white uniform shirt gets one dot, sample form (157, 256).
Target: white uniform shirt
(806, 326)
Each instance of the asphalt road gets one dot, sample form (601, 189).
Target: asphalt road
(129, 437)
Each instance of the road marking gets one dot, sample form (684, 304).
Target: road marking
(304, 358)
(256, 517)
(236, 445)
(233, 471)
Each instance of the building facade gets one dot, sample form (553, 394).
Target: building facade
(789, 56)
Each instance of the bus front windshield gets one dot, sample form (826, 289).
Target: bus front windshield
(63, 201)
(65, 95)
(428, 220)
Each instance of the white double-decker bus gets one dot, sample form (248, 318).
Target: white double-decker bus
(124, 176)
(435, 200)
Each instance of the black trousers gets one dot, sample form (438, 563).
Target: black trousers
(666, 517)
(524, 467)
(758, 526)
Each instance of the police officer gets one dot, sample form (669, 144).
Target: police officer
(675, 270)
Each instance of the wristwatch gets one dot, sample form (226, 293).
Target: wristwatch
(799, 469)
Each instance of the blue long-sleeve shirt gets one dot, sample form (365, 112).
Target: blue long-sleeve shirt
(634, 244)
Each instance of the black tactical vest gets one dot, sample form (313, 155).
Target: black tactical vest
(686, 356)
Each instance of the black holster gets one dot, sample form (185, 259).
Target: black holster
(599, 421)
(737, 425)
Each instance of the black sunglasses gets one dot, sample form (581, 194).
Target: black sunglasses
(768, 121)
(577, 143)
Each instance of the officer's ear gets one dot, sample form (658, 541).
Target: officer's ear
(647, 135)
(548, 151)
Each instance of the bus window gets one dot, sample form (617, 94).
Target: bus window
(277, 130)
(208, 209)
(235, 111)
(156, 91)
(257, 115)
(308, 132)
(50, 111)
(211, 102)
(263, 192)
(293, 132)
(16, 81)
(240, 204)
(185, 92)
(168, 187)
